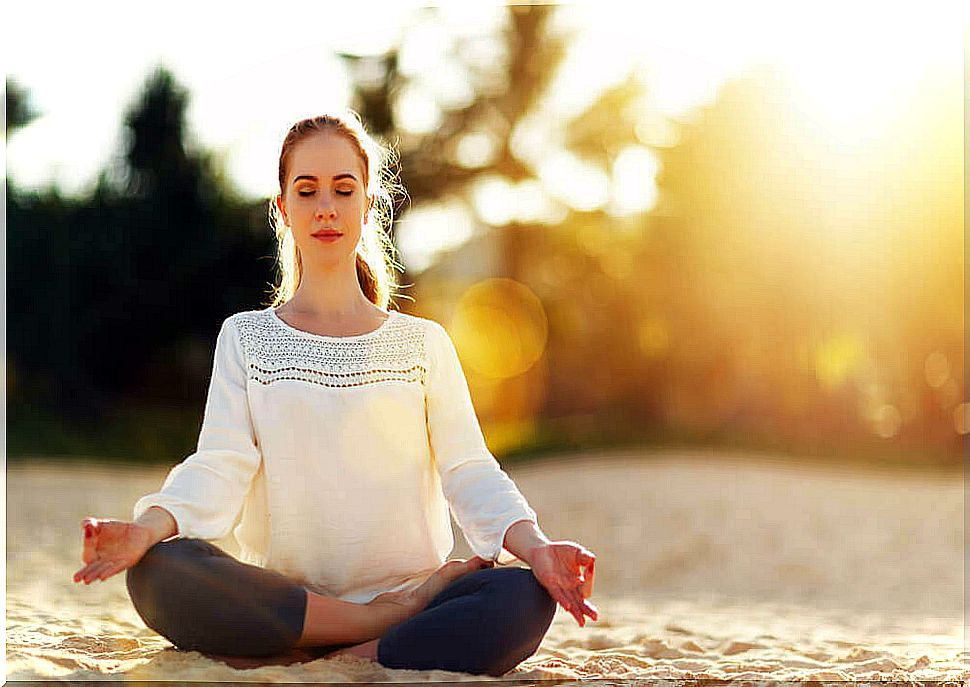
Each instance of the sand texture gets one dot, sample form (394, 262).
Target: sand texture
(726, 567)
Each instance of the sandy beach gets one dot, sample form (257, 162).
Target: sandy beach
(724, 567)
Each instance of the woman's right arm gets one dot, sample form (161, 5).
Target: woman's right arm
(205, 492)
(203, 495)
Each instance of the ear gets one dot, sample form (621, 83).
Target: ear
(281, 208)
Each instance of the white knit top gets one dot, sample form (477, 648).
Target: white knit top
(334, 460)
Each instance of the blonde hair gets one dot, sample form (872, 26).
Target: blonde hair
(376, 259)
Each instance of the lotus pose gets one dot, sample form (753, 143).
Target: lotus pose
(337, 436)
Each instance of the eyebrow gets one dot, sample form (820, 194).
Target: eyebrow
(337, 177)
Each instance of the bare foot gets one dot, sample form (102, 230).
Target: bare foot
(398, 606)
(445, 575)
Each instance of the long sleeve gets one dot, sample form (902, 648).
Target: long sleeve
(205, 492)
(483, 499)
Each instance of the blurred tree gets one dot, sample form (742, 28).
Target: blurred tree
(19, 111)
(589, 312)
(113, 296)
(430, 166)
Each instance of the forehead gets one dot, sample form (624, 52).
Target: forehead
(325, 155)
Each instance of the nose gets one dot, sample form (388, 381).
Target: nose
(326, 207)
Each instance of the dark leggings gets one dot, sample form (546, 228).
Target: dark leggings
(202, 599)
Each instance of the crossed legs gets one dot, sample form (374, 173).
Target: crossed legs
(202, 599)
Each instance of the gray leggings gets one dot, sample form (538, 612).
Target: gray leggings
(202, 599)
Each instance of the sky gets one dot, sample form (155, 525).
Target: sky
(253, 69)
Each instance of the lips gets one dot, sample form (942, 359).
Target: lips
(327, 233)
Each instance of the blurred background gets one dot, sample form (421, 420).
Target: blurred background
(642, 229)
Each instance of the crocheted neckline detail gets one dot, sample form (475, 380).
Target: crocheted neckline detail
(276, 352)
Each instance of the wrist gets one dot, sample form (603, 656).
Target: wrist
(158, 523)
(387, 610)
(523, 539)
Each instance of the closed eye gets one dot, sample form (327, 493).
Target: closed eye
(310, 193)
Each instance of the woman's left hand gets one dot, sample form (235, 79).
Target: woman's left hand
(565, 569)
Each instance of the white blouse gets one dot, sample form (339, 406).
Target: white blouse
(334, 460)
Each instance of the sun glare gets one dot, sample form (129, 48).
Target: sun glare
(854, 87)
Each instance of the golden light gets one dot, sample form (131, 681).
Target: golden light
(576, 183)
(937, 369)
(634, 187)
(886, 421)
(654, 338)
(500, 328)
(852, 83)
(836, 358)
(961, 418)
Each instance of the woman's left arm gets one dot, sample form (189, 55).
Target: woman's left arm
(564, 568)
(482, 497)
(488, 506)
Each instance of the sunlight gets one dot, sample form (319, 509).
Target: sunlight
(426, 231)
(634, 180)
(861, 81)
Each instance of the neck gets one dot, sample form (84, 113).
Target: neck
(330, 291)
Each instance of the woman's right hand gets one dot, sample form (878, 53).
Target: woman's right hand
(111, 546)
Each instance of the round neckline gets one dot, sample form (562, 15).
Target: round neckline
(325, 337)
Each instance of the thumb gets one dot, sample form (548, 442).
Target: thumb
(88, 547)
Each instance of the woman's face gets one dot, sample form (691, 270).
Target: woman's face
(325, 192)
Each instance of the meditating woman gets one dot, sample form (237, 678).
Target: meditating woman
(337, 434)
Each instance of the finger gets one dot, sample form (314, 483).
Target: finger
(113, 569)
(573, 604)
(571, 610)
(88, 546)
(96, 569)
(587, 586)
(84, 572)
(585, 607)
(577, 603)
(562, 598)
(88, 576)
(103, 570)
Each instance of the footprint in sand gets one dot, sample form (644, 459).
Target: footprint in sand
(99, 645)
(691, 646)
(656, 648)
(734, 647)
(858, 653)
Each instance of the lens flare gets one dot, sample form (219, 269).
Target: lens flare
(500, 328)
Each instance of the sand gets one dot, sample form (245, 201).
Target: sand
(726, 567)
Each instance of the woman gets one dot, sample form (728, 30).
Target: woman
(336, 436)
